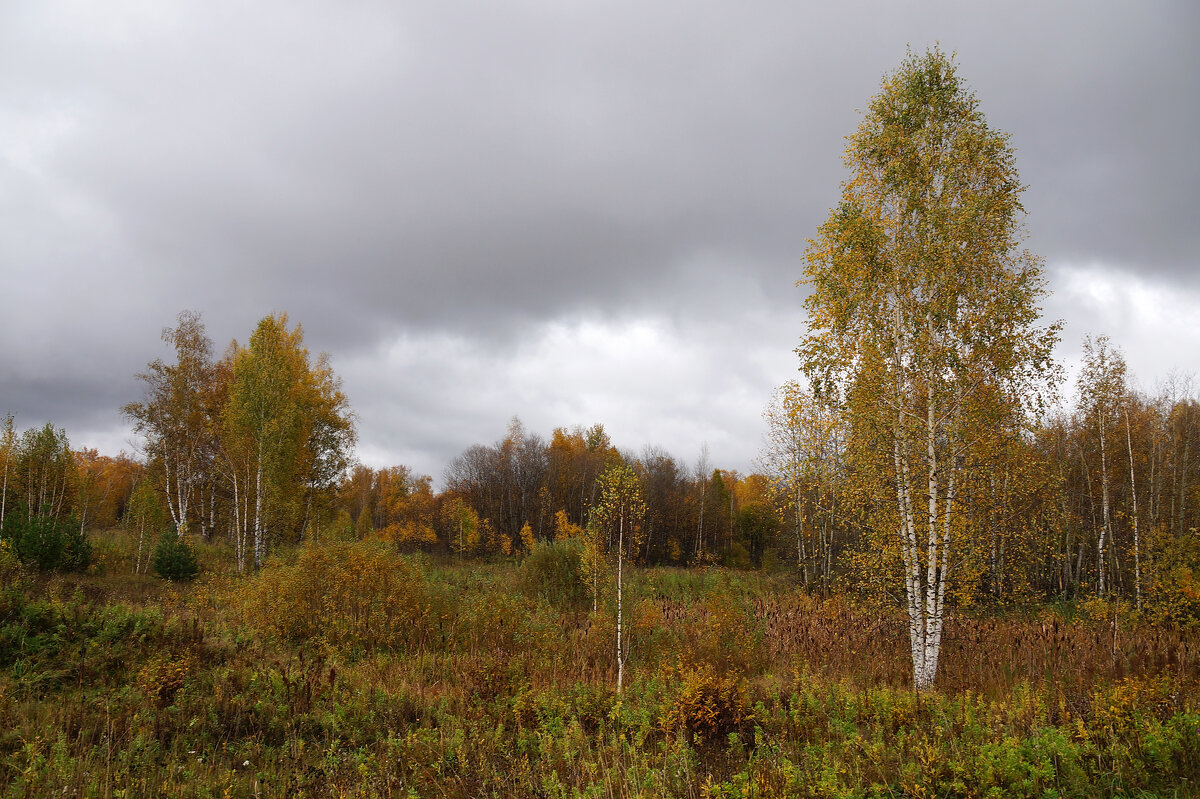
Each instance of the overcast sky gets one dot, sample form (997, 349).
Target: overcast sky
(573, 212)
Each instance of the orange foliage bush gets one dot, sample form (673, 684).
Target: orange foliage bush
(410, 534)
(353, 594)
(709, 705)
(162, 677)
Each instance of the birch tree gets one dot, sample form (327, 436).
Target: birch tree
(264, 410)
(174, 417)
(1101, 396)
(1137, 536)
(618, 516)
(803, 454)
(8, 445)
(45, 468)
(922, 320)
(703, 469)
(288, 429)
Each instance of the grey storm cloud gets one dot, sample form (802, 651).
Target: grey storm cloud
(473, 172)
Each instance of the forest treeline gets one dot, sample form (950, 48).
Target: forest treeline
(254, 450)
(920, 458)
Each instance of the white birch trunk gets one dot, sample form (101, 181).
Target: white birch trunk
(4, 492)
(1104, 523)
(137, 566)
(258, 530)
(620, 597)
(239, 536)
(179, 490)
(929, 644)
(184, 491)
(170, 494)
(247, 543)
(1137, 543)
(800, 537)
(934, 642)
(912, 577)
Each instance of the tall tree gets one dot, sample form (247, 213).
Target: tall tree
(703, 469)
(1101, 396)
(45, 469)
(330, 436)
(174, 417)
(8, 446)
(922, 318)
(289, 425)
(803, 456)
(1130, 403)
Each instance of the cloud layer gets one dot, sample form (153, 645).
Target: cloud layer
(571, 212)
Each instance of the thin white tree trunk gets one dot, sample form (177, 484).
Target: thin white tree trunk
(179, 500)
(800, 537)
(1137, 543)
(620, 585)
(908, 551)
(931, 638)
(933, 646)
(4, 492)
(137, 566)
(239, 536)
(907, 522)
(246, 541)
(258, 530)
(1104, 521)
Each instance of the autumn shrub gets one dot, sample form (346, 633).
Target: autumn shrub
(496, 621)
(649, 639)
(162, 677)
(552, 571)
(730, 634)
(11, 571)
(1174, 587)
(174, 558)
(354, 595)
(709, 705)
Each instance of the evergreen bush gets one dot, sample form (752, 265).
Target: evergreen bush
(174, 559)
(48, 543)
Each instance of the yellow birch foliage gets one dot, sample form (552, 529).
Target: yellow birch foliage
(565, 529)
(527, 539)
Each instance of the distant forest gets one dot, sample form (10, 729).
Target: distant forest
(919, 458)
(253, 451)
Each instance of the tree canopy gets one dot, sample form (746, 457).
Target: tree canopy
(923, 321)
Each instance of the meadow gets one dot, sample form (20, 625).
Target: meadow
(347, 669)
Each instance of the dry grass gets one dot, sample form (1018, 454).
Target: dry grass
(738, 685)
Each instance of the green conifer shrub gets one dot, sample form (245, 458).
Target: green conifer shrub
(174, 559)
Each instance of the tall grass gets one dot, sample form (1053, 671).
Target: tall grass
(349, 670)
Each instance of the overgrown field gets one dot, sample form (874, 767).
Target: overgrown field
(348, 670)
